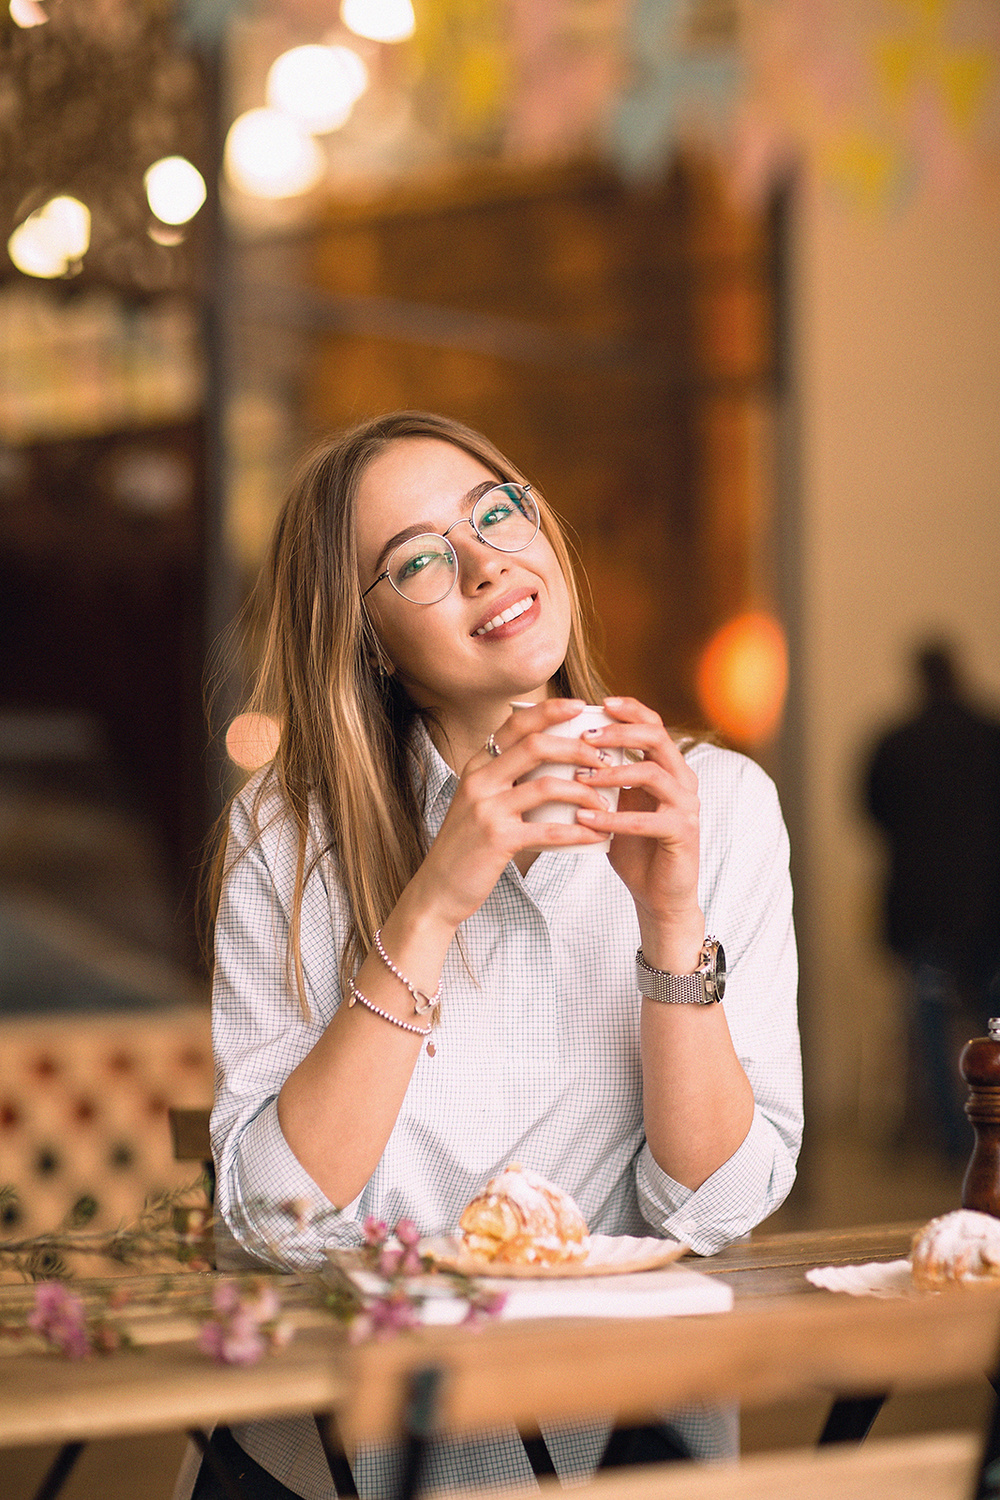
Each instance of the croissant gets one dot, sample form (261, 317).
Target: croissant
(960, 1246)
(520, 1218)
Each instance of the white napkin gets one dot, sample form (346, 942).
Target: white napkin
(673, 1291)
(877, 1278)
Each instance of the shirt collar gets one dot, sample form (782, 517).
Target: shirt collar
(431, 767)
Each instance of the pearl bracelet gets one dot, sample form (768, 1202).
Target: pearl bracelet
(394, 1020)
(423, 1003)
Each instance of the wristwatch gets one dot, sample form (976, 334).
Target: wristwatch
(704, 987)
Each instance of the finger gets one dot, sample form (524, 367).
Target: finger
(650, 738)
(527, 719)
(526, 796)
(526, 755)
(535, 718)
(658, 781)
(667, 827)
(559, 835)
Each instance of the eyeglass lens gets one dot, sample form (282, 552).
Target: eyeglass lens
(424, 569)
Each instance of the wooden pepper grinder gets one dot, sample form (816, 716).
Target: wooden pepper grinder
(979, 1065)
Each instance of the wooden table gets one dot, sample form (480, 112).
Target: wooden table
(782, 1340)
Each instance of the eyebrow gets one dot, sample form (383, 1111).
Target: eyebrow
(420, 527)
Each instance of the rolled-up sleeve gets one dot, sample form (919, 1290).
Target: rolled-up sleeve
(268, 1201)
(747, 898)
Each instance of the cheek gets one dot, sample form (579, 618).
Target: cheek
(413, 639)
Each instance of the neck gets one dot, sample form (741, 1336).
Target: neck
(459, 738)
(458, 741)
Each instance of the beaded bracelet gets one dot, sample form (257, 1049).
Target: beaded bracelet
(395, 1021)
(422, 1002)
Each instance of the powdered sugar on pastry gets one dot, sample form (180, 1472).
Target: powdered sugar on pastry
(960, 1246)
(521, 1218)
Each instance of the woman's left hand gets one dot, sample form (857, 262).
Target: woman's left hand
(656, 827)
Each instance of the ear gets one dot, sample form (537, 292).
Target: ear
(378, 661)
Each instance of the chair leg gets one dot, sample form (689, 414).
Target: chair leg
(988, 1478)
(851, 1418)
(419, 1425)
(219, 1470)
(59, 1471)
(336, 1457)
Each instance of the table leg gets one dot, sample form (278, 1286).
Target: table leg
(851, 1418)
(59, 1471)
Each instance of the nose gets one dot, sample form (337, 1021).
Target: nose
(479, 564)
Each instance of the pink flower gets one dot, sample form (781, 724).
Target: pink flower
(483, 1306)
(406, 1233)
(60, 1318)
(245, 1322)
(298, 1210)
(389, 1260)
(237, 1341)
(392, 1314)
(375, 1231)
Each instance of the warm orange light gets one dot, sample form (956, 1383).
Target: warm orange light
(251, 740)
(742, 678)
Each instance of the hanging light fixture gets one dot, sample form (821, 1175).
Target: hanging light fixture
(268, 155)
(175, 189)
(379, 20)
(317, 85)
(52, 240)
(27, 13)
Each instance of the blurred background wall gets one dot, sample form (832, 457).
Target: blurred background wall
(724, 279)
(897, 318)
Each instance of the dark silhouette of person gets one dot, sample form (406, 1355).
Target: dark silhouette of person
(933, 787)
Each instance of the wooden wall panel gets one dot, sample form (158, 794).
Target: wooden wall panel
(615, 341)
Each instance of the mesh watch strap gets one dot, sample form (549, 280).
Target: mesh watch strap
(705, 986)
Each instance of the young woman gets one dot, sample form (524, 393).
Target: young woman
(414, 985)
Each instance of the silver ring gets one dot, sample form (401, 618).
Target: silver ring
(492, 746)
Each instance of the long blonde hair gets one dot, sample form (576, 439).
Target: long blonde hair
(343, 761)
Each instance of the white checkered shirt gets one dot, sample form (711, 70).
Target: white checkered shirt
(537, 1060)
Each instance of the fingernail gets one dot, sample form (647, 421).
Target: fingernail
(585, 814)
(613, 702)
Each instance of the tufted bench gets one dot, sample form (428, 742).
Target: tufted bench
(84, 1104)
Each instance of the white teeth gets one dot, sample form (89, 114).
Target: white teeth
(508, 615)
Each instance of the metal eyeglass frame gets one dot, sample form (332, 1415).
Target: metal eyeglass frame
(443, 536)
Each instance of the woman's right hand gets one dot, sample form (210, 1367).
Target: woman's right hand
(484, 829)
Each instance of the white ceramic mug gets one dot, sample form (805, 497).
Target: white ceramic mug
(592, 717)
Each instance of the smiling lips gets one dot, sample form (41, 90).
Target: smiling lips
(505, 617)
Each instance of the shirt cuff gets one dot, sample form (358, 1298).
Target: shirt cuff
(278, 1213)
(742, 1192)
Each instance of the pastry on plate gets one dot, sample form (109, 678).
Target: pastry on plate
(521, 1219)
(958, 1247)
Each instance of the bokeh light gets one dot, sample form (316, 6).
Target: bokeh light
(175, 189)
(379, 20)
(269, 155)
(27, 13)
(318, 86)
(52, 239)
(251, 740)
(742, 678)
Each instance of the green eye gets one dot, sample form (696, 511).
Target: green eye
(414, 565)
(495, 516)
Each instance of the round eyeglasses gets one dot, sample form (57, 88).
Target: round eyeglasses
(424, 568)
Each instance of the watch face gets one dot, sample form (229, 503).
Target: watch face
(716, 975)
